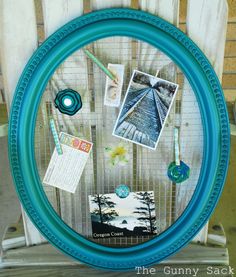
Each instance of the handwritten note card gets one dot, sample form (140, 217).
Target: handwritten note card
(64, 171)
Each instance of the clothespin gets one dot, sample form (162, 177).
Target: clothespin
(100, 65)
(157, 73)
(55, 137)
(177, 148)
(178, 171)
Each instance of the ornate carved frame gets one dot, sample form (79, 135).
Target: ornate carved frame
(206, 86)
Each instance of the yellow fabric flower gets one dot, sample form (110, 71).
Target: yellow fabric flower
(117, 155)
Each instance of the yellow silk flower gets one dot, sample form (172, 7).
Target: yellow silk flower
(118, 155)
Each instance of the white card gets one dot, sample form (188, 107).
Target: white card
(64, 171)
(113, 89)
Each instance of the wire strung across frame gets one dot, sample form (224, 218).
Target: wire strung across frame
(146, 169)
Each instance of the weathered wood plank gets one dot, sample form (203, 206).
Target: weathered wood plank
(58, 12)
(229, 79)
(183, 11)
(166, 9)
(230, 95)
(210, 36)
(153, 164)
(14, 236)
(32, 235)
(230, 64)
(231, 30)
(116, 50)
(97, 5)
(72, 73)
(232, 10)
(47, 255)
(230, 48)
(160, 271)
(18, 41)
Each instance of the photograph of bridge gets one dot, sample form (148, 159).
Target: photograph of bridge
(145, 109)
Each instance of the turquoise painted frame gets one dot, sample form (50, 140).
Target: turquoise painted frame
(170, 40)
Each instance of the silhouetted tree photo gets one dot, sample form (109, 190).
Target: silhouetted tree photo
(105, 209)
(146, 210)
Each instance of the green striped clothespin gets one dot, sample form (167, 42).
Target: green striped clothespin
(55, 137)
(177, 151)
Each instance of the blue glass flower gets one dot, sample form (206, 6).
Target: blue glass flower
(178, 173)
(122, 191)
(68, 101)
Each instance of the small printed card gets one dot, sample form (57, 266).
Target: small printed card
(114, 88)
(64, 171)
(113, 216)
(144, 111)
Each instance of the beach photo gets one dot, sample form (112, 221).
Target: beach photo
(145, 108)
(113, 216)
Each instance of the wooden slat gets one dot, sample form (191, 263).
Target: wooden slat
(58, 12)
(231, 31)
(19, 33)
(47, 255)
(73, 74)
(230, 64)
(14, 236)
(32, 235)
(232, 10)
(97, 5)
(183, 11)
(160, 271)
(229, 80)
(230, 95)
(210, 36)
(230, 48)
(19, 40)
(182, 27)
(110, 50)
(3, 114)
(166, 9)
(153, 175)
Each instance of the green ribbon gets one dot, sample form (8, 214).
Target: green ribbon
(3, 130)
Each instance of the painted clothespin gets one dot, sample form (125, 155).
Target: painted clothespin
(100, 65)
(177, 151)
(157, 73)
(178, 171)
(55, 137)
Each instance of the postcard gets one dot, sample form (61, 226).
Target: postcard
(145, 108)
(114, 88)
(64, 171)
(113, 216)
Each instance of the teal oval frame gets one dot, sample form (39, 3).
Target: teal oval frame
(206, 86)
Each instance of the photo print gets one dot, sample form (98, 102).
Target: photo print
(114, 88)
(113, 216)
(146, 106)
